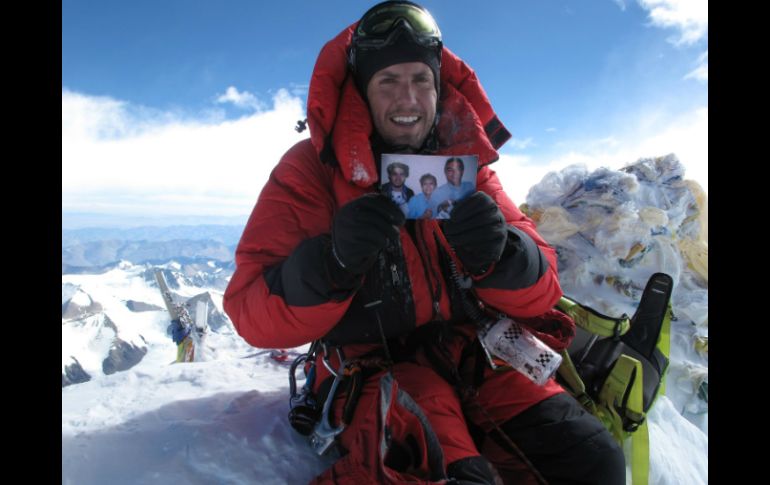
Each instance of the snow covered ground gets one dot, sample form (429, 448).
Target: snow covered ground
(223, 420)
(211, 422)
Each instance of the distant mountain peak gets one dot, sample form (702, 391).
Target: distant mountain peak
(79, 306)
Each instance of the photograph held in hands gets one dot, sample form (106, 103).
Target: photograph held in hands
(428, 186)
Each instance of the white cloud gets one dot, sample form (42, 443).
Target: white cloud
(520, 144)
(299, 89)
(649, 136)
(105, 118)
(621, 4)
(551, 129)
(701, 73)
(518, 173)
(243, 100)
(690, 17)
(609, 142)
(122, 159)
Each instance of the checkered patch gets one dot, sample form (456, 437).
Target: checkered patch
(513, 332)
(544, 358)
(530, 370)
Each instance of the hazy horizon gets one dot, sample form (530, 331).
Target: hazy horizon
(85, 220)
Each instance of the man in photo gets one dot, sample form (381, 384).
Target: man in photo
(395, 189)
(454, 189)
(423, 206)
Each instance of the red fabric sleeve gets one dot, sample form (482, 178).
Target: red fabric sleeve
(296, 204)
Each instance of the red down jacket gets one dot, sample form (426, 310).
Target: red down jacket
(278, 295)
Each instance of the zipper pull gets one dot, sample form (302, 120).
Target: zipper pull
(394, 273)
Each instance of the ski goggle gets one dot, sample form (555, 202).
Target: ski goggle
(381, 24)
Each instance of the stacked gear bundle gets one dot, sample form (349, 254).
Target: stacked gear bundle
(612, 229)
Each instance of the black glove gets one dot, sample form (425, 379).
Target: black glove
(477, 231)
(360, 230)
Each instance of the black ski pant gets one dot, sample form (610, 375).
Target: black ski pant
(566, 444)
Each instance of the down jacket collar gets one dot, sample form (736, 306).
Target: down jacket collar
(340, 123)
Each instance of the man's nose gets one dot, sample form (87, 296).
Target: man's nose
(407, 92)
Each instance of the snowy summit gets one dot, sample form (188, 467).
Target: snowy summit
(130, 415)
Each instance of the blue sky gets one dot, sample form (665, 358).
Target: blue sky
(182, 108)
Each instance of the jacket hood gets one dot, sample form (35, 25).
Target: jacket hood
(340, 123)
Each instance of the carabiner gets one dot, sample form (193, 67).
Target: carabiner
(324, 434)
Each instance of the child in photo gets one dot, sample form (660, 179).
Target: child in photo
(422, 206)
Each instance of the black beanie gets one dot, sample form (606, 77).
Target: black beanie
(368, 61)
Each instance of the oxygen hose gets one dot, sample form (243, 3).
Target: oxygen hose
(463, 285)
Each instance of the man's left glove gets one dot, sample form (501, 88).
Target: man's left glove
(477, 231)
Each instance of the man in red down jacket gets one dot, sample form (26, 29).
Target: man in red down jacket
(325, 257)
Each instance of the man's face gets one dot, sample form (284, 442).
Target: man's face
(428, 187)
(397, 177)
(454, 173)
(402, 98)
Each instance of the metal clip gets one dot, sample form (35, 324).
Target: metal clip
(325, 360)
(324, 434)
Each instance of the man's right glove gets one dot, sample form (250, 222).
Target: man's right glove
(477, 231)
(360, 230)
